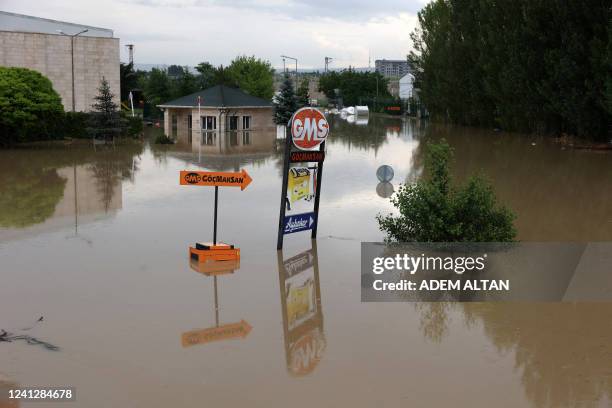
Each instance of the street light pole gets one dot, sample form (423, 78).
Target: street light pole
(296, 71)
(72, 60)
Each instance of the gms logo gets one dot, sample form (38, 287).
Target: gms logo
(192, 178)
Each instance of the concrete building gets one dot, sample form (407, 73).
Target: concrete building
(406, 86)
(392, 68)
(225, 114)
(51, 48)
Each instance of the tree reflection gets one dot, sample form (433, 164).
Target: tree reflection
(563, 350)
(29, 195)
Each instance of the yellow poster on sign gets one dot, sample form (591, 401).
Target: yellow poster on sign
(299, 184)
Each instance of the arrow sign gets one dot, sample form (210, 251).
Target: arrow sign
(219, 179)
(299, 222)
(225, 332)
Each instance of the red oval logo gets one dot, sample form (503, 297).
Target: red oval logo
(309, 128)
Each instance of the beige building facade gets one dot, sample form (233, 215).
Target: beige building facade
(50, 47)
(227, 119)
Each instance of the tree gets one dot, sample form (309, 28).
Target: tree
(303, 97)
(432, 210)
(31, 109)
(285, 103)
(252, 75)
(535, 66)
(207, 75)
(105, 118)
(355, 87)
(128, 79)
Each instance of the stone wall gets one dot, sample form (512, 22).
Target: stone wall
(49, 54)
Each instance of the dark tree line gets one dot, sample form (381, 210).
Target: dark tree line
(525, 65)
(354, 87)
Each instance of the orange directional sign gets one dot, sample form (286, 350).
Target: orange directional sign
(212, 178)
(227, 331)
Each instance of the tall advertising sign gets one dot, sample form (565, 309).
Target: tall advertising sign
(302, 172)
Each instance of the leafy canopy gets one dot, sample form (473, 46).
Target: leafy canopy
(431, 210)
(31, 109)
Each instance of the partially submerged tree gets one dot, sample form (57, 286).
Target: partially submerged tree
(285, 103)
(432, 210)
(105, 117)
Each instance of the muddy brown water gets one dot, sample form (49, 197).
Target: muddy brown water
(95, 240)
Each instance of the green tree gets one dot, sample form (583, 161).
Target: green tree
(303, 97)
(128, 79)
(31, 109)
(105, 117)
(432, 210)
(207, 75)
(285, 103)
(356, 88)
(536, 66)
(184, 84)
(252, 75)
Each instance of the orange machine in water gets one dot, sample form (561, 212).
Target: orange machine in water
(203, 252)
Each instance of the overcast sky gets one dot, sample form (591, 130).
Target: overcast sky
(186, 32)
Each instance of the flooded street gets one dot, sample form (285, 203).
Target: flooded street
(96, 241)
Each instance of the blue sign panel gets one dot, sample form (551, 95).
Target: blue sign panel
(299, 222)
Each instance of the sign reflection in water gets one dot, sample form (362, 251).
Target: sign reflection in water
(300, 293)
(218, 332)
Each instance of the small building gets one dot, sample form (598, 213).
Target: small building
(224, 114)
(392, 68)
(406, 87)
(74, 57)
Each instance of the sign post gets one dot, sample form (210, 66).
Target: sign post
(304, 142)
(215, 251)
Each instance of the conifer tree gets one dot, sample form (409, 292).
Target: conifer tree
(285, 103)
(105, 118)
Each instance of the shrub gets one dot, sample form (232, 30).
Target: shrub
(133, 125)
(75, 125)
(31, 109)
(431, 210)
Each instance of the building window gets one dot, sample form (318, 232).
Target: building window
(209, 138)
(189, 127)
(209, 122)
(233, 138)
(174, 125)
(233, 123)
(246, 122)
(246, 138)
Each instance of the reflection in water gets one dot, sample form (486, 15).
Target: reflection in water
(45, 190)
(223, 151)
(219, 331)
(563, 350)
(385, 189)
(300, 293)
(5, 385)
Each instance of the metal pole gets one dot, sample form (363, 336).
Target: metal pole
(317, 195)
(215, 228)
(72, 67)
(216, 304)
(281, 216)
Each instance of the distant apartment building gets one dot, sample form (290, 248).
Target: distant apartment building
(74, 57)
(392, 68)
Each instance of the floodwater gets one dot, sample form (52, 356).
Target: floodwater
(96, 241)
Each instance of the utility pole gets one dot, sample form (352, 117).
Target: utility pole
(296, 72)
(72, 60)
(327, 61)
(130, 48)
